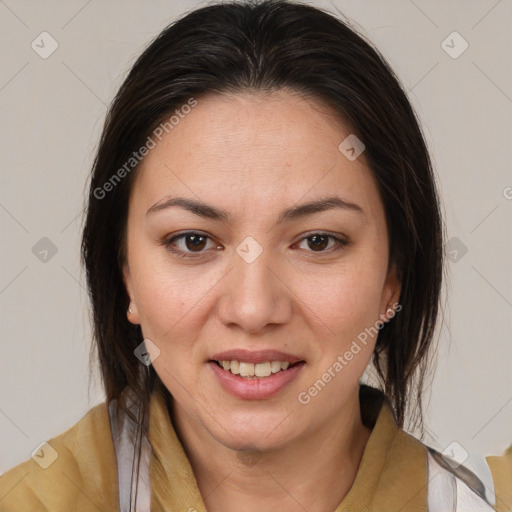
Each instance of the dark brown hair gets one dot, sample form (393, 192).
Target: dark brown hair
(259, 47)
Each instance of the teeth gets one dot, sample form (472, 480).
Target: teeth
(235, 367)
(246, 369)
(259, 370)
(262, 369)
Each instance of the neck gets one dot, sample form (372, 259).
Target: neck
(313, 473)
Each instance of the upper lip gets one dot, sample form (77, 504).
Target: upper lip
(255, 356)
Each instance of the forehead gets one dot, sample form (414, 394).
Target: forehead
(265, 148)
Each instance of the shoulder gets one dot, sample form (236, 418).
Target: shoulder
(469, 482)
(75, 470)
(501, 471)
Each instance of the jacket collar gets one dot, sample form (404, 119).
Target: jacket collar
(392, 474)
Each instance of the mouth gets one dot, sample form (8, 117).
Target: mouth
(261, 380)
(255, 374)
(255, 371)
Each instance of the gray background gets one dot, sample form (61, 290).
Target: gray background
(52, 113)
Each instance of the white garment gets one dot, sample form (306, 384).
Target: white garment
(451, 488)
(464, 488)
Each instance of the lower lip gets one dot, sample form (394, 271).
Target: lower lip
(255, 388)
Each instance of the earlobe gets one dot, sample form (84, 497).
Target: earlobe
(391, 292)
(131, 313)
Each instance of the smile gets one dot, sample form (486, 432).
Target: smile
(258, 370)
(255, 381)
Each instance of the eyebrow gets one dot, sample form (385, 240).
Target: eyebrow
(292, 213)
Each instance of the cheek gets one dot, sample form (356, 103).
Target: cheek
(163, 298)
(173, 303)
(346, 301)
(168, 309)
(160, 306)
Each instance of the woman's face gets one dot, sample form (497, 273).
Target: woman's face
(252, 277)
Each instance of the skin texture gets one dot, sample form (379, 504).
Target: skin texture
(255, 155)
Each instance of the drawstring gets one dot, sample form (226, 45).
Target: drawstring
(134, 485)
(133, 452)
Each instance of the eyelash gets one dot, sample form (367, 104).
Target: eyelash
(341, 243)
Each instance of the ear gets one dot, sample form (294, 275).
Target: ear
(133, 317)
(391, 291)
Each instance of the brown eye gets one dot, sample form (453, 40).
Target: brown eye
(196, 242)
(318, 242)
(191, 243)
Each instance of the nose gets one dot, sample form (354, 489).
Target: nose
(255, 293)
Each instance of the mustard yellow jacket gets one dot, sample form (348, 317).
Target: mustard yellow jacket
(81, 470)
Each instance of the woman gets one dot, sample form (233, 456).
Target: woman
(263, 223)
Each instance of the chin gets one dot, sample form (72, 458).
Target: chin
(255, 434)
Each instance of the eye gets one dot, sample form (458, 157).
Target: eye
(194, 243)
(319, 240)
